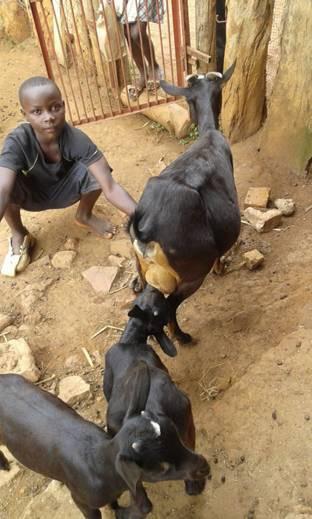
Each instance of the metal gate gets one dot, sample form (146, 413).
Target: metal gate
(86, 52)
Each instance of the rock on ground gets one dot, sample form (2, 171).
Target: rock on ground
(253, 259)
(63, 259)
(101, 278)
(54, 502)
(16, 357)
(7, 475)
(285, 205)
(263, 221)
(5, 320)
(73, 390)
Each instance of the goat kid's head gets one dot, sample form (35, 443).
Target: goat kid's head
(203, 93)
(153, 310)
(150, 447)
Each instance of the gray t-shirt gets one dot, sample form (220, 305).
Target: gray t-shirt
(22, 153)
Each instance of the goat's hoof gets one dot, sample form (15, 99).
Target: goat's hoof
(136, 285)
(185, 338)
(194, 487)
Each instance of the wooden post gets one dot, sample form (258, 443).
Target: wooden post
(205, 19)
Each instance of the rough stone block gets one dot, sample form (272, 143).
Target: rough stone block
(101, 278)
(286, 205)
(16, 357)
(73, 390)
(257, 197)
(263, 221)
(253, 259)
(63, 259)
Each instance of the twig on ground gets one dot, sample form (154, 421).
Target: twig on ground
(4, 334)
(86, 354)
(45, 380)
(307, 209)
(125, 285)
(106, 327)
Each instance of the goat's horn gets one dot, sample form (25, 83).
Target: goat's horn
(214, 74)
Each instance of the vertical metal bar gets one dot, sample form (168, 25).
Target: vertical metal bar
(186, 34)
(91, 54)
(64, 54)
(56, 61)
(160, 36)
(82, 59)
(100, 56)
(177, 40)
(169, 41)
(132, 60)
(42, 42)
(73, 58)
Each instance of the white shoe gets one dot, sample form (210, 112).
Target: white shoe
(14, 263)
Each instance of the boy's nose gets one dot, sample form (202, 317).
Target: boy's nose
(49, 117)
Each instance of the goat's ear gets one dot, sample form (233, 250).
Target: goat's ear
(228, 73)
(166, 344)
(129, 471)
(138, 313)
(173, 90)
(141, 388)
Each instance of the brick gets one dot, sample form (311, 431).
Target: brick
(253, 259)
(257, 197)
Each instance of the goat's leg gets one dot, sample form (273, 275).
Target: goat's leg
(193, 487)
(139, 508)
(88, 513)
(184, 291)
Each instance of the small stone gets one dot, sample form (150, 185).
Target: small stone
(71, 244)
(63, 259)
(251, 514)
(121, 247)
(307, 417)
(115, 261)
(222, 479)
(101, 278)
(5, 320)
(279, 362)
(274, 415)
(263, 221)
(257, 197)
(253, 258)
(285, 205)
(298, 344)
(73, 389)
(16, 357)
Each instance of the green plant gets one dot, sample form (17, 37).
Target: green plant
(192, 136)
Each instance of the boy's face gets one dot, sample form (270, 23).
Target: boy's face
(44, 109)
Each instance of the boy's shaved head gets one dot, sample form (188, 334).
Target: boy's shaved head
(33, 82)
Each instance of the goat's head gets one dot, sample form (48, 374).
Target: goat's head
(153, 310)
(150, 447)
(203, 93)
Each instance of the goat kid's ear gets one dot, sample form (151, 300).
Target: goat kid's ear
(129, 471)
(142, 382)
(228, 73)
(166, 344)
(173, 90)
(138, 313)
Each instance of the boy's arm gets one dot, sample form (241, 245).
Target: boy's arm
(113, 192)
(7, 180)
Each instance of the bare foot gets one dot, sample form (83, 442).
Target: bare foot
(17, 241)
(96, 225)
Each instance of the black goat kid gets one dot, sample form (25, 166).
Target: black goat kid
(166, 405)
(188, 216)
(49, 437)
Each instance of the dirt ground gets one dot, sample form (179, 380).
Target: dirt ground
(248, 377)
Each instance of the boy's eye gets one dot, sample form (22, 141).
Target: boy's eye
(56, 108)
(37, 111)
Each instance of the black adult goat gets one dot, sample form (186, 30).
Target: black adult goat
(188, 216)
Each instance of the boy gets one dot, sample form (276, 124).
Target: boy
(47, 164)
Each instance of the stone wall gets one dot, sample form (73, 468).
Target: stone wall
(287, 133)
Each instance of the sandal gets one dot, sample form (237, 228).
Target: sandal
(14, 263)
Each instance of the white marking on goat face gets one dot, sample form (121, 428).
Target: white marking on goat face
(156, 428)
(136, 446)
(155, 313)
